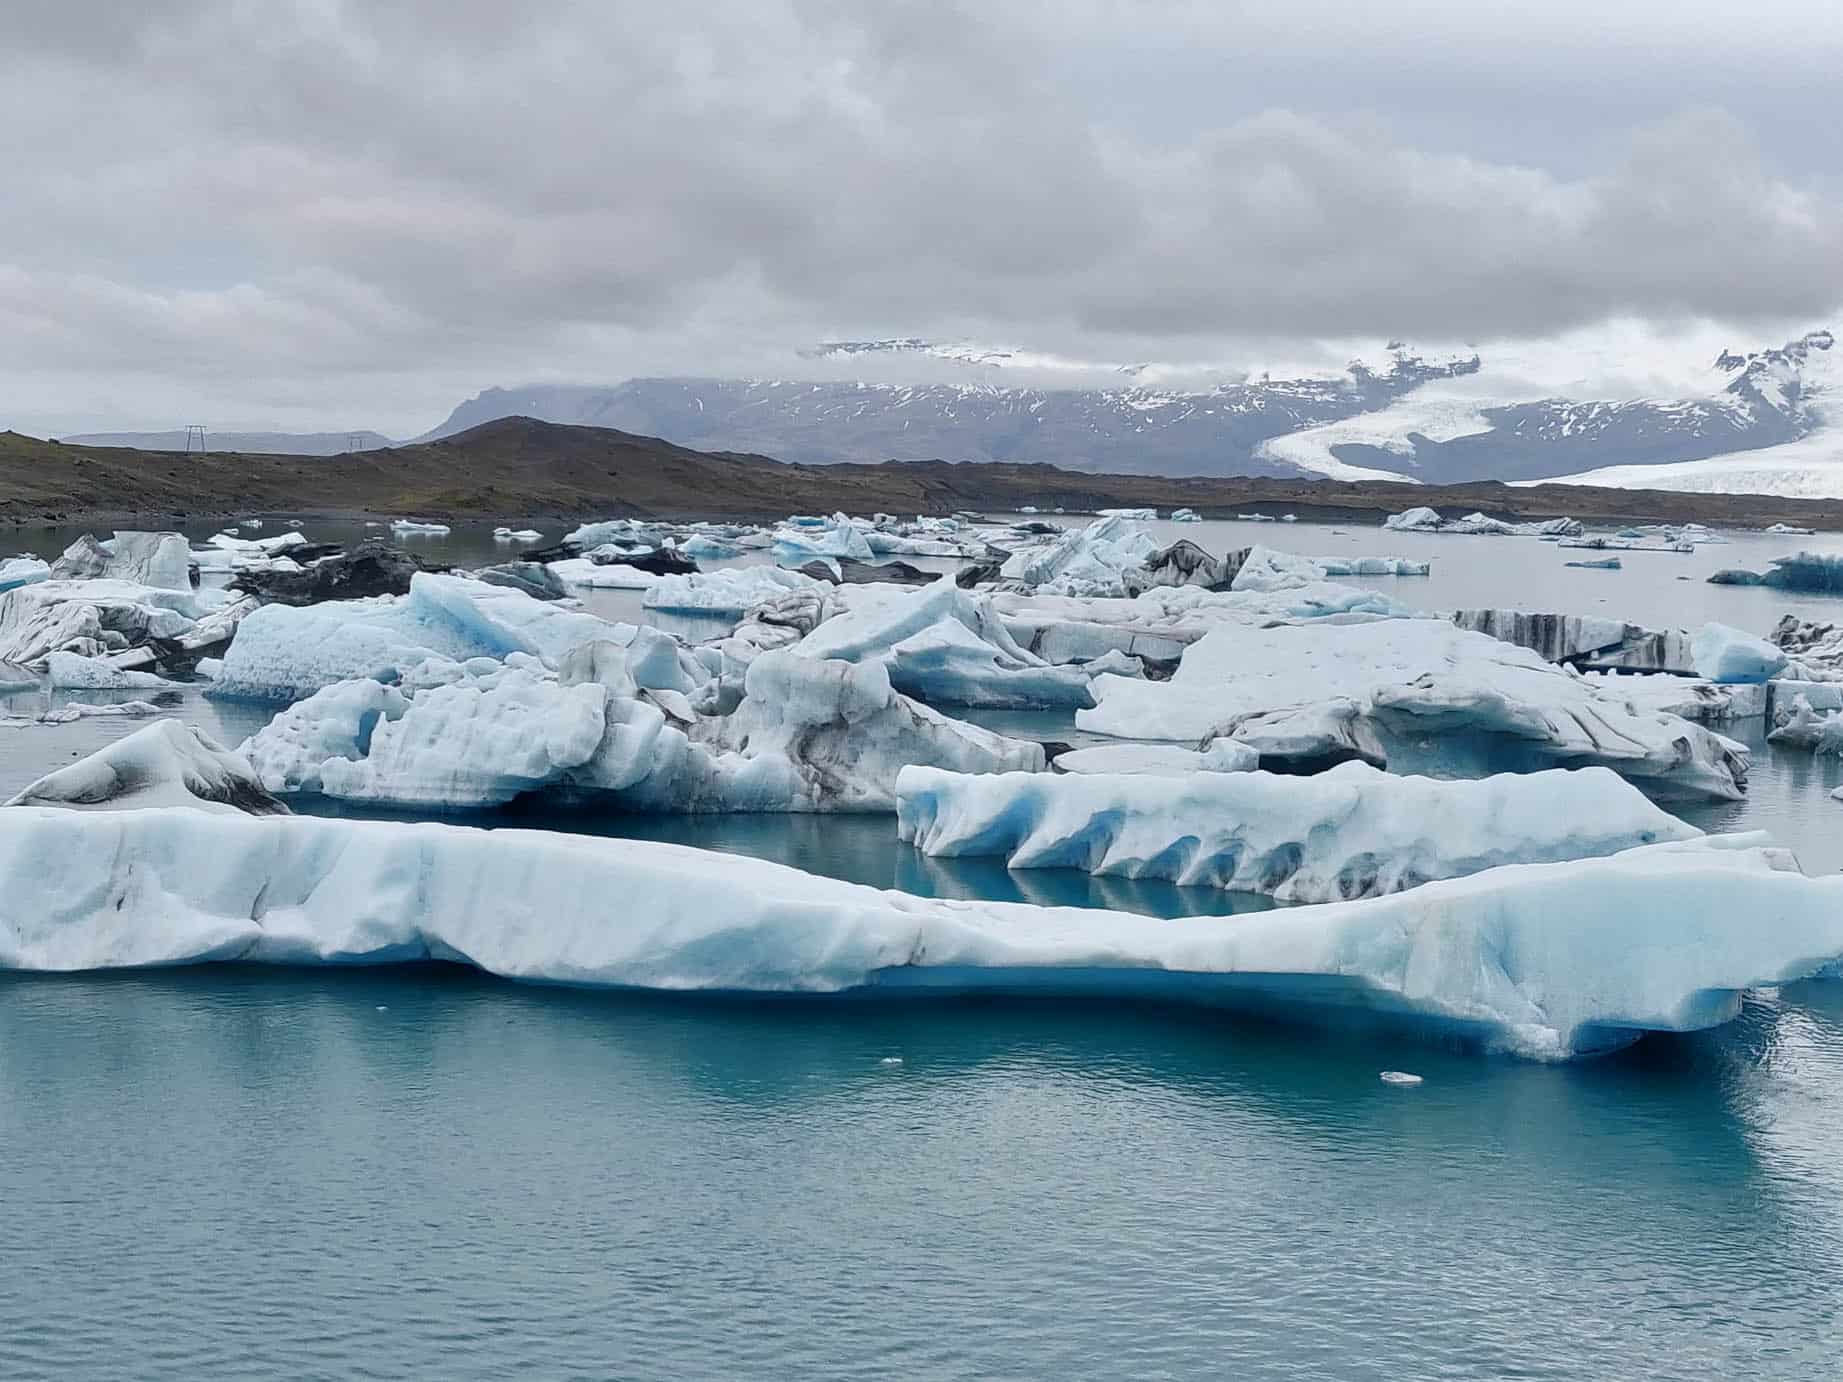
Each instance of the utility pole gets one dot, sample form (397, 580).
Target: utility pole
(196, 430)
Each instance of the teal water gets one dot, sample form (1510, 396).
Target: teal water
(236, 1172)
(231, 1173)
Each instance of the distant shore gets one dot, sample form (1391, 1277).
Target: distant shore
(516, 470)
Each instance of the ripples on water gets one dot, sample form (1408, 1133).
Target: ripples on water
(233, 1172)
(220, 1173)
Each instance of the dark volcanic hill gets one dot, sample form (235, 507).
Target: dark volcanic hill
(519, 469)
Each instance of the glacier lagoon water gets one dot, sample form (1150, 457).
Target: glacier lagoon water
(229, 1172)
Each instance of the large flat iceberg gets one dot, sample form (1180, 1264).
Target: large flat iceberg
(1411, 694)
(1545, 960)
(1351, 832)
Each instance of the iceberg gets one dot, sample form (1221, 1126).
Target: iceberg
(1410, 694)
(93, 617)
(596, 575)
(841, 538)
(615, 726)
(18, 571)
(945, 645)
(411, 527)
(71, 672)
(517, 535)
(1373, 566)
(1083, 561)
(161, 560)
(1545, 961)
(732, 591)
(1420, 519)
(284, 652)
(166, 763)
(1702, 701)
(1727, 655)
(1605, 644)
(1160, 760)
(1806, 728)
(1351, 832)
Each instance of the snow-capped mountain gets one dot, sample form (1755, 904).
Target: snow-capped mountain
(1135, 429)
(1409, 417)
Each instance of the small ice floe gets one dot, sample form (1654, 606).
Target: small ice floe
(383, 1007)
(1837, 795)
(890, 1060)
(1400, 1077)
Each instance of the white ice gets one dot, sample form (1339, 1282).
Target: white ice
(283, 652)
(1353, 831)
(1544, 960)
(1725, 654)
(166, 763)
(1403, 692)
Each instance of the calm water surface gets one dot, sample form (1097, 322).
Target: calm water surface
(233, 1172)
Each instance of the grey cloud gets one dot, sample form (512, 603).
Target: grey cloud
(288, 203)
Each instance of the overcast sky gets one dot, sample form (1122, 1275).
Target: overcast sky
(313, 213)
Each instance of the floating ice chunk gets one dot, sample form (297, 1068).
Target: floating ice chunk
(807, 736)
(518, 535)
(732, 591)
(702, 548)
(411, 527)
(1603, 643)
(282, 652)
(1351, 832)
(1407, 691)
(92, 617)
(1084, 561)
(1805, 728)
(1264, 569)
(591, 575)
(840, 539)
(1400, 1078)
(1693, 699)
(1373, 566)
(77, 710)
(70, 672)
(1416, 520)
(1160, 760)
(165, 764)
(1724, 654)
(161, 560)
(1183, 516)
(946, 645)
(18, 571)
(1137, 515)
(1543, 960)
(1787, 530)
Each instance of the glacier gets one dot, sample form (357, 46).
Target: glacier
(1410, 694)
(1543, 960)
(1353, 831)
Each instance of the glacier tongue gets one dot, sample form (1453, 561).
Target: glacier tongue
(1546, 960)
(1350, 832)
